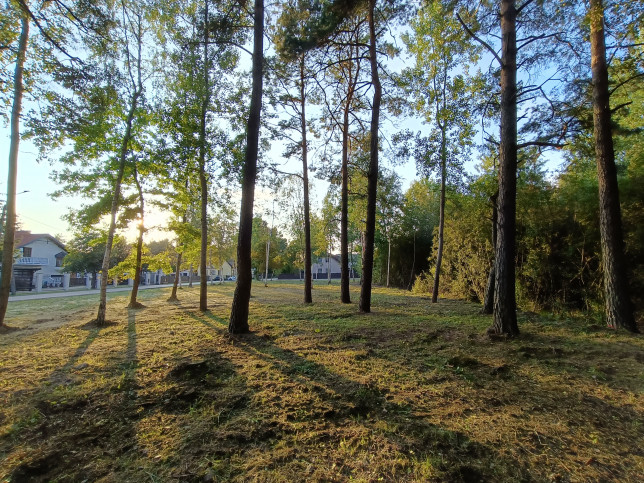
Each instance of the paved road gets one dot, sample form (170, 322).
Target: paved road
(78, 293)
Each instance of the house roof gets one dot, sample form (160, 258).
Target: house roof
(23, 238)
(337, 258)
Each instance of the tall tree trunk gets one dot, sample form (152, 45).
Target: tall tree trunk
(619, 310)
(441, 215)
(372, 175)
(116, 198)
(505, 306)
(413, 264)
(488, 301)
(345, 294)
(241, 299)
(177, 276)
(190, 276)
(134, 304)
(10, 227)
(308, 281)
(268, 251)
(388, 257)
(203, 282)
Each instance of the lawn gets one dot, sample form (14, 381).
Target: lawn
(410, 392)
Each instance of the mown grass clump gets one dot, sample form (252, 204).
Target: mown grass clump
(410, 392)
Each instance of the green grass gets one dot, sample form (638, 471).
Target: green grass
(411, 392)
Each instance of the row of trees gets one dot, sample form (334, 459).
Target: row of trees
(144, 102)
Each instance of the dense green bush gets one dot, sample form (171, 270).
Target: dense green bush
(558, 263)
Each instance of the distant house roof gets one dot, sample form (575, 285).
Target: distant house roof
(23, 238)
(337, 258)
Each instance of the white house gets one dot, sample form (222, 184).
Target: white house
(42, 252)
(227, 269)
(323, 265)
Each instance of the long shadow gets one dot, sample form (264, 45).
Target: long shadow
(131, 360)
(60, 374)
(347, 401)
(98, 428)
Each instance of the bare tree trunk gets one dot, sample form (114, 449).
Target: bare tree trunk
(241, 299)
(308, 282)
(505, 306)
(177, 277)
(619, 309)
(372, 175)
(413, 264)
(488, 301)
(203, 282)
(134, 304)
(116, 198)
(345, 294)
(388, 258)
(190, 276)
(441, 216)
(10, 227)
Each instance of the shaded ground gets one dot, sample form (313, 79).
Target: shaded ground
(412, 392)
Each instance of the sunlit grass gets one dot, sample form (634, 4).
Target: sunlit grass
(411, 392)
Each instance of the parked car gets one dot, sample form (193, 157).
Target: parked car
(232, 279)
(217, 279)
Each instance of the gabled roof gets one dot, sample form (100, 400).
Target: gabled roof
(24, 237)
(322, 258)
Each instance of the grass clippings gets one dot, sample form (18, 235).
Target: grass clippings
(412, 392)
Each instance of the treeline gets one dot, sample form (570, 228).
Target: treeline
(558, 238)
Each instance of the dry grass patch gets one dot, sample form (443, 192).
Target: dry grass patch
(412, 392)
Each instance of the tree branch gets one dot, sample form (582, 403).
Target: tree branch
(542, 144)
(612, 91)
(617, 108)
(479, 40)
(523, 6)
(42, 30)
(284, 173)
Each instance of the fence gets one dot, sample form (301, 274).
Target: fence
(77, 281)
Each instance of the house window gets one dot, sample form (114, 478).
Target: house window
(26, 252)
(59, 262)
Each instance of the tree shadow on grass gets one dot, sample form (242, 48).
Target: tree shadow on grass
(60, 375)
(78, 432)
(333, 403)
